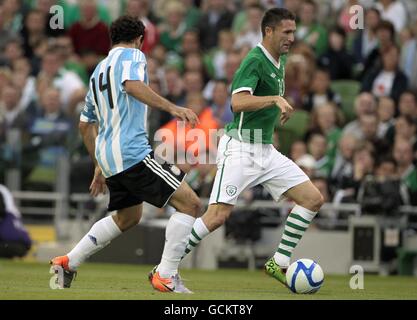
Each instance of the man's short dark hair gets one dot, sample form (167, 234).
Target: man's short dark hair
(386, 25)
(274, 16)
(126, 29)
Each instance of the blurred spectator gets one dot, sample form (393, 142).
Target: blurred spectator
(366, 39)
(309, 30)
(216, 57)
(327, 120)
(190, 43)
(50, 133)
(362, 165)
(386, 168)
(192, 14)
(12, 51)
(220, 105)
(193, 82)
(386, 112)
(89, 33)
(403, 155)
(140, 9)
(393, 11)
(317, 147)
(193, 62)
(233, 60)
(408, 60)
(25, 83)
(10, 115)
(298, 73)
(405, 129)
(337, 59)
(241, 17)
(174, 27)
(368, 133)
(320, 92)
(159, 53)
(15, 241)
(365, 103)
(5, 78)
(408, 104)
(70, 85)
(33, 31)
(292, 5)
(388, 80)
(52, 124)
(11, 16)
(216, 18)
(386, 39)
(44, 7)
(175, 86)
(72, 62)
(298, 149)
(251, 34)
(5, 33)
(343, 168)
(74, 12)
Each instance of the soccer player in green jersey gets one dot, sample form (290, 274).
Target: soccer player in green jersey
(246, 156)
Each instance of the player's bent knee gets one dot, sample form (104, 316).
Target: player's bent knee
(316, 202)
(191, 206)
(196, 206)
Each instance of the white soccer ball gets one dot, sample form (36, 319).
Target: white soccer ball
(304, 276)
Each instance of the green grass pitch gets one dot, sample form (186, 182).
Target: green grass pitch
(23, 280)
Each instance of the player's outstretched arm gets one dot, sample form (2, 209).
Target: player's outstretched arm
(244, 101)
(142, 92)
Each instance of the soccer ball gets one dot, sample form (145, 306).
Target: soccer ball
(304, 276)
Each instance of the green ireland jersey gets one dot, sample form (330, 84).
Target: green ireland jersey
(261, 75)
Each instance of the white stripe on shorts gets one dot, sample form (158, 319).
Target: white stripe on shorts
(163, 173)
(167, 173)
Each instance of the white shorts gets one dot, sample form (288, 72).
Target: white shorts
(242, 165)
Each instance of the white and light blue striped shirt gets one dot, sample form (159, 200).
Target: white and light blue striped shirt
(122, 140)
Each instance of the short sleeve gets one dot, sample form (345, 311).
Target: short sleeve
(134, 66)
(88, 114)
(247, 76)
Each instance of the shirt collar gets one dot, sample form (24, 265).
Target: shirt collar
(115, 48)
(269, 56)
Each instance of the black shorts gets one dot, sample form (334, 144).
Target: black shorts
(150, 181)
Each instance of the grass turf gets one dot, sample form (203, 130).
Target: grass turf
(23, 280)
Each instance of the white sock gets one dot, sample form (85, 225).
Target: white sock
(99, 236)
(176, 239)
(198, 232)
(297, 223)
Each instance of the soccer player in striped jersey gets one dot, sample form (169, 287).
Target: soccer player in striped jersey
(113, 126)
(246, 156)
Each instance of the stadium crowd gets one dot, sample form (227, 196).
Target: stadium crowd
(353, 89)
